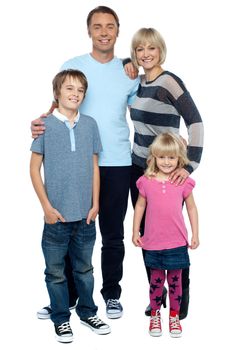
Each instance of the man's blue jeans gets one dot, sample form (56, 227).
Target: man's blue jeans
(76, 239)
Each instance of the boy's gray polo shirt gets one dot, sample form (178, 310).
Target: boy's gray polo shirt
(68, 174)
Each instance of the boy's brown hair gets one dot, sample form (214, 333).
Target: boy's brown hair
(61, 77)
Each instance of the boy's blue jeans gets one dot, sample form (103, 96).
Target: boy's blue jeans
(76, 239)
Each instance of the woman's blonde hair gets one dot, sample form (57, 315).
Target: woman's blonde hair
(166, 144)
(151, 36)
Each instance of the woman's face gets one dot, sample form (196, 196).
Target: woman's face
(147, 55)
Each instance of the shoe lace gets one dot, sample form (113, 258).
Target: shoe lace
(175, 322)
(112, 302)
(95, 320)
(64, 327)
(155, 321)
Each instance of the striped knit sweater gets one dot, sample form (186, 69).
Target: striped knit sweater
(157, 108)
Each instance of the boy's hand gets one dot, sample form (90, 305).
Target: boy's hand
(52, 216)
(194, 243)
(136, 239)
(130, 70)
(92, 214)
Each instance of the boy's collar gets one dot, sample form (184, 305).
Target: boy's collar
(62, 117)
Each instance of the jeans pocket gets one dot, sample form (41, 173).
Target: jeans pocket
(88, 231)
(55, 233)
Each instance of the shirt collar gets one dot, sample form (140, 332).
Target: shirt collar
(62, 117)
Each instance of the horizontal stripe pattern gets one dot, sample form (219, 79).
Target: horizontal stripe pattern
(158, 107)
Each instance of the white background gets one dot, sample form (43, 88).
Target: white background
(36, 38)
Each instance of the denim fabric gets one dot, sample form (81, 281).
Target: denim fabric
(76, 239)
(167, 259)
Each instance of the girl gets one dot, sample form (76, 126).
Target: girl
(165, 238)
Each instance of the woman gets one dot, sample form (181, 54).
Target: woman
(162, 99)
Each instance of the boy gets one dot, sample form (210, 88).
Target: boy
(70, 200)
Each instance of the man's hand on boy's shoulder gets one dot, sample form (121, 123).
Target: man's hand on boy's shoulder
(37, 127)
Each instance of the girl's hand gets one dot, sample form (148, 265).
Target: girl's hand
(93, 212)
(52, 216)
(136, 239)
(179, 176)
(194, 243)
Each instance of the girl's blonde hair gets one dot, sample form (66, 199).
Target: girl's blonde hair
(166, 144)
(151, 36)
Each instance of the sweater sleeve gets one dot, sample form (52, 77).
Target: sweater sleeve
(187, 109)
(189, 112)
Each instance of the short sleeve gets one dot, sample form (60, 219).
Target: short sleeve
(188, 187)
(38, 145)
(133, 92)
(140, 186)
(97, 146)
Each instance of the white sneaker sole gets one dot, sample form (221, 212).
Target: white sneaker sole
(61, 339)
(96, 330)
(155, 334)
(46, 316)
(114, 315)
(175, 335)
(41, 316)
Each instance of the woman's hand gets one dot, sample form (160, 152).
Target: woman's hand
(179, 176)
(130, 70)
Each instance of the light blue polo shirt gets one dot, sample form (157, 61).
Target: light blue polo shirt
(68, 163)
(109, 93)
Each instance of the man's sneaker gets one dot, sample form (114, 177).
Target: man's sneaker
(64, 333)
(96, 325)
(114, 308)
(174, 325)
(155, 329)
(45, 312)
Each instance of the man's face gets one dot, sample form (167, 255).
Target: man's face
(103, 30)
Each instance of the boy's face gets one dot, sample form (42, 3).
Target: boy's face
(71, 95)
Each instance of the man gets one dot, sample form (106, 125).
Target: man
(109, 93)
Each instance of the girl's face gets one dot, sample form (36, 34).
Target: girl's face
(167, 164)
(147, 56)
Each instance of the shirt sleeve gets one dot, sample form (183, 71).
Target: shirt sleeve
(187, 109)
(70, 64)
(38, 145)
(133, 92)
(140, 186)
(97, 145)
(188, 187)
